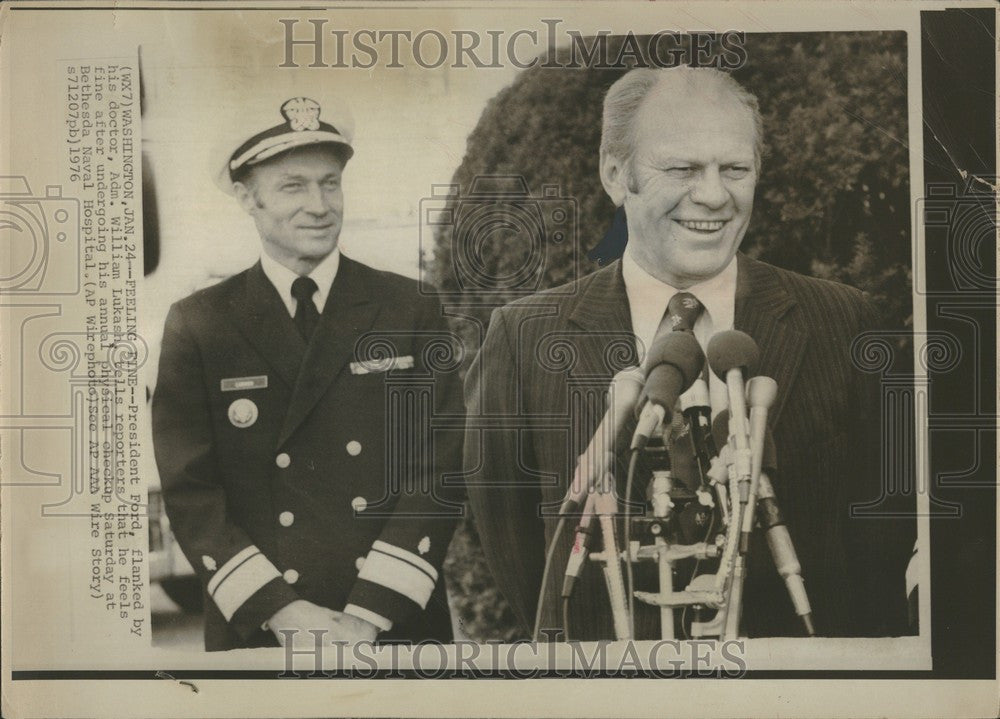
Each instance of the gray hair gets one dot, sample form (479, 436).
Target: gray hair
(625, 96)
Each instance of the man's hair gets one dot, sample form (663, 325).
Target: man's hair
(625, 96)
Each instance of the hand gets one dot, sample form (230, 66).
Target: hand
(298, 618)
(353, 629)
(301, 616)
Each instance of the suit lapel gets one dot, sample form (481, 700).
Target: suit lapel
(602, 311)
(762, 302)
(350, 311)
(603, 302)
(263, 319)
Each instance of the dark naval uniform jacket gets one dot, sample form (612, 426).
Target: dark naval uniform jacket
(320, 471)
(543, 353)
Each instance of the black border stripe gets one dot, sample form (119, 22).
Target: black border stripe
(406, 561)
(231, 571)
(308, 673)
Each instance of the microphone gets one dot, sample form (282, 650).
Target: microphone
(720, 429)
(623, 394)
(673, 364)
(581, 547)
(772, 521)
(779, 541)
(761, 393)
(732, 350)
(697, 409)
(732, 355)
(718, 470)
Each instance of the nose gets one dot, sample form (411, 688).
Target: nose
(708, 189)
(316, 202)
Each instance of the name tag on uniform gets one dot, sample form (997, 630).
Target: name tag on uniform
(382, 365)
(236, 384)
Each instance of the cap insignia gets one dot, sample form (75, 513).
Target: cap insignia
(302, 113)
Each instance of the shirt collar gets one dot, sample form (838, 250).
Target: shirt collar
(282, 278)
(648, 298)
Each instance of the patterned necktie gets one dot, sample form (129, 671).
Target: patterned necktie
(683, 310)
(306, 315)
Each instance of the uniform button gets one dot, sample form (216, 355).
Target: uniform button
(354, 448)
(283, 460)
(290, 576)
(359, 563)
(359, 504)
(286, 519)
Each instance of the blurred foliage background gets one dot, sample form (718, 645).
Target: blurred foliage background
(833, 200)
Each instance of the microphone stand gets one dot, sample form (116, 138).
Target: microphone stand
(606, 509)
(739, 481)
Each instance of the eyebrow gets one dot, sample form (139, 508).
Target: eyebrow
(302, 178)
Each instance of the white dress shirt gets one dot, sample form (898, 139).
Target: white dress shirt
(647, 301)
(282, 278)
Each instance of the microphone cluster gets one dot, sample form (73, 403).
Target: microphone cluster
(735, 455)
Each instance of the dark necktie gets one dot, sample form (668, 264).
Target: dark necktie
(306, 315)
(683, 310)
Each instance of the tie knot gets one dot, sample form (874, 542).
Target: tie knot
(304, 288)
(683, 311)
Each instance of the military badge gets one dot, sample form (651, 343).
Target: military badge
(302, 114)
(382, 364)
(243, 413)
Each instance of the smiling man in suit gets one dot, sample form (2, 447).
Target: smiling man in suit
(303, 496)
(681, 154)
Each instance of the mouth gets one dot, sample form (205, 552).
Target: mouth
(316, 227)
(705, 227)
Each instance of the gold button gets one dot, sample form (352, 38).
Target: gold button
(283, 460)
(290, 576)
(354, 448)
(359, 504)
(286, 519)
(359, 563)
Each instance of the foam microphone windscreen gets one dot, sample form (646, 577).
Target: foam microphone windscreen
(732, 349)
(676, 364)
(680, 349)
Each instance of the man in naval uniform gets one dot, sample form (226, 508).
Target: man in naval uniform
(681, 153)
(294, 416)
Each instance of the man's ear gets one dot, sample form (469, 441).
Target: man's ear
(244, 195)
(613, 177)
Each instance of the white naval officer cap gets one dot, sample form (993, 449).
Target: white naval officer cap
(305, 121)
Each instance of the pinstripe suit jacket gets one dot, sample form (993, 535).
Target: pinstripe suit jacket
(548, 358)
